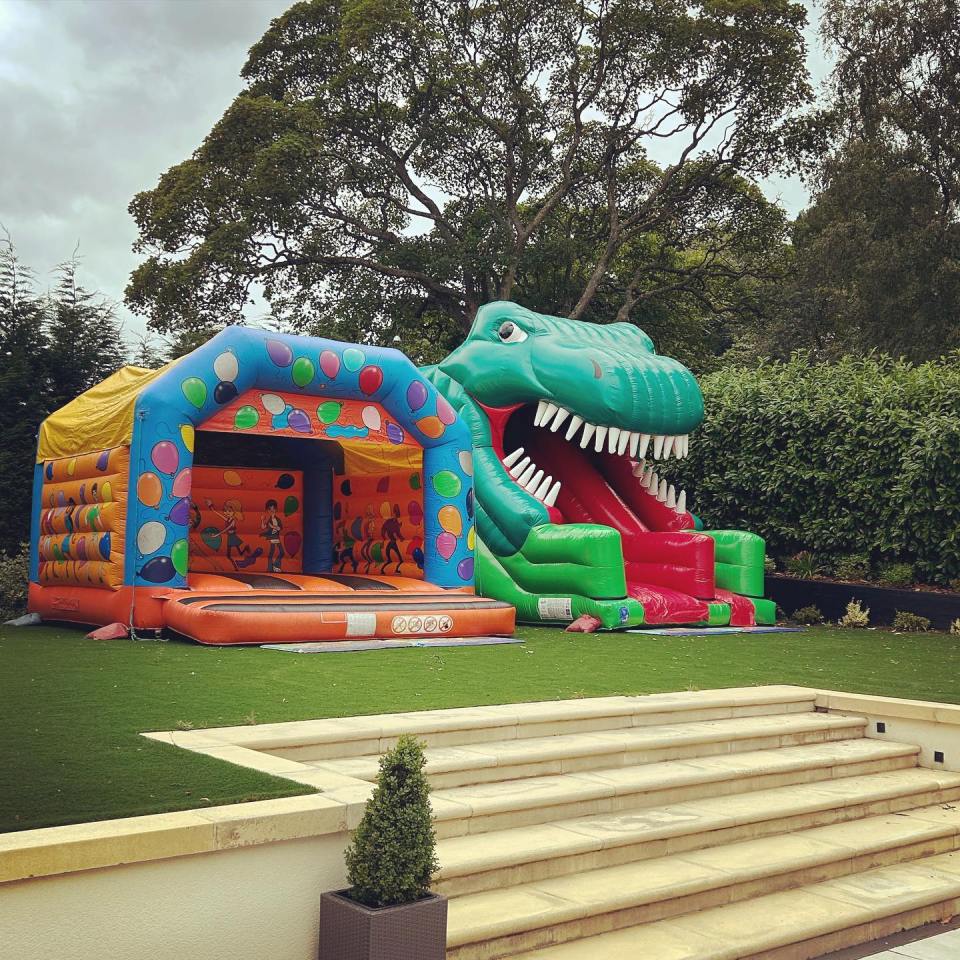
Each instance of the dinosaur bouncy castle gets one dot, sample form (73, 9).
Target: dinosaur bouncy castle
(574, 426)
(263, 488)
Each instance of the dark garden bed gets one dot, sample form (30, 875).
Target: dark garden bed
(942, 607)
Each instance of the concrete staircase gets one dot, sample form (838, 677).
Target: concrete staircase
(720, 825)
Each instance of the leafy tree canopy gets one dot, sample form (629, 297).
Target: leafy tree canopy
(392, 164)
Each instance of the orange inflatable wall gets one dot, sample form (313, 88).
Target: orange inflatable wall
(83, 519)
(246, 519)
(378, 523)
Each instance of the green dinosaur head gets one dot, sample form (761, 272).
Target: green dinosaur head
(607, 376)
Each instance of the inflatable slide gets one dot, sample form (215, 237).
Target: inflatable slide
(574, 426)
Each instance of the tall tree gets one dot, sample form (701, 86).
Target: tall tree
(392, 164)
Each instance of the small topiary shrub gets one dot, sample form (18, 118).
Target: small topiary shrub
(908, 622)
(14, 572)
(854, 566)
(856, 616)
(955, 627)
(955, 585)
(392, 856)
(807, 615)
(769, 565)
(896, 575)
(802, 564)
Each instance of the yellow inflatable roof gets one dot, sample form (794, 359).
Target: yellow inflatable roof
(101, 417)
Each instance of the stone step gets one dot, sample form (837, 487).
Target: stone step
(489, 861)
(504, 922)
(798, 924)
(571, 753)
(311, 740)
(486, 807)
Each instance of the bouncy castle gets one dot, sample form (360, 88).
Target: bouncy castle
(263, 488)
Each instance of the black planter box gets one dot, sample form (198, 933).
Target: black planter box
(791, 593)
(411, 931)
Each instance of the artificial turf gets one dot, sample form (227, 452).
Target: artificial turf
(71, 709)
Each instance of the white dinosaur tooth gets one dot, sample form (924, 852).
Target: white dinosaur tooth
(518, 468)
(652, 481)
(598, 439)
(527, 474)
(588, 429)
(686, 445)
(538, 416)
(644, 443)
(657, 446)
(544, 488)
(622, 442)
(548, 412)
(682, 502)
(533, 482)
(551, 497)
(662, 491)
(513, 458)
(671, 497)
(558, 419)
(667, 446)
(574, 426)
(639, 468)
(613, 439)
(634, 443)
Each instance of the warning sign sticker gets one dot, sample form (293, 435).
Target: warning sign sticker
(554, 608)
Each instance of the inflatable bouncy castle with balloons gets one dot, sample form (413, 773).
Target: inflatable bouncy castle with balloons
(263, 488)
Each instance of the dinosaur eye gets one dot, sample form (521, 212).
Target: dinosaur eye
(511, 333)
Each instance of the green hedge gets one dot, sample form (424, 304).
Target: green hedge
(856, 457)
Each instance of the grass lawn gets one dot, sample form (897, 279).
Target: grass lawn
(71, 709)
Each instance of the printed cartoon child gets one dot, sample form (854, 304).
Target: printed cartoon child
(369, 532)
(343, 549)
(271, 525)
(391, 533)
(232, 512)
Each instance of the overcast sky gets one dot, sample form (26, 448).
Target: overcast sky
(99, 97)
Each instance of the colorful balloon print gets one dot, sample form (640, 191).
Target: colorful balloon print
(226, 367)
(415, 512)
(279, 353)
(329, 364)
(416, 395)
(291, 543)
(470, 503)
(353, 359)
(158, 570)
(371, 379)
(431, 427)
(446, 544)
(106, 491)
(370, 416)
(149, 489)
(224, 392)
(472, 538)
(103, 462)
(299, 421)
(414, 481)
(302, 372)
(246, 418)
(211, 537)
(465, 568)
(180, 556)
(290, 505)
(394, 433)
(466, 462)
(150, 537)
(187, 435)
(231, 478)
(447, 483)
(329, 411)
(273, 404)
(445, 412)
(285, 481)
(180, 514)
(450, 520)
(195, 390)
(181, 483)
(71, 467)
(165, 456)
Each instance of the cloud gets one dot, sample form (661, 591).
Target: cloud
(97, 99)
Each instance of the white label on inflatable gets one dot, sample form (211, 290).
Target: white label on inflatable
(361, 624)
(554, 608)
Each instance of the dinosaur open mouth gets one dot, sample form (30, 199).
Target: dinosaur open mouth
(590, 472)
